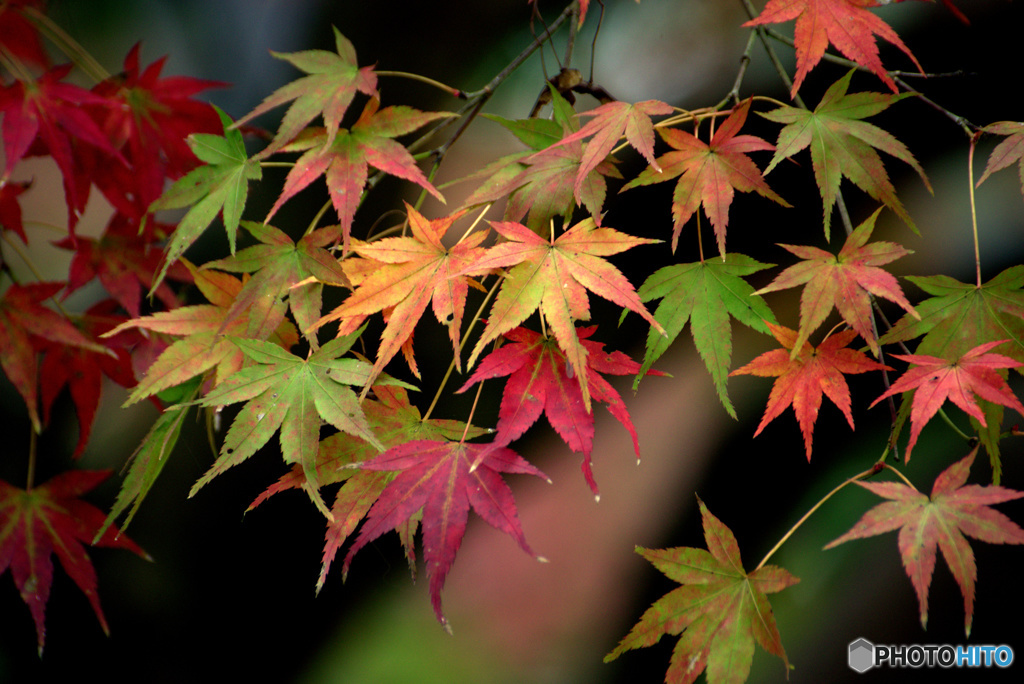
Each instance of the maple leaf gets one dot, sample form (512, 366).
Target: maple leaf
(844, 281)
(542, 381)
(10, 208)
(720, 610)
(705, 294)
(805, 375)
(205, 339)
(413, 272)
(344, 157)
(81, 370)
(221, 185)
(284, 391)
(1006, 152)
(847, 24)
(51, 518)
(936, 379)
(942, 520)
(149, 118)
(611, 121)
(395, 421)
(841, 145)
(54, 112)
(280, 265)
(709, 173)
(124, 261)
(444, 479)
(333, 80)
(19, 35)
(554, 276)
(24, 323)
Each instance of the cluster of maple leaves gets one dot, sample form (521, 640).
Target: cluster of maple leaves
(347, 428)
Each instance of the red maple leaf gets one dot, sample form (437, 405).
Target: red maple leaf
(959, 380)
(10, 208)
(24, 322)
(82, 370)
(149, 119)
(18, 35)
(804, 377)
(541, 380)
(48, 519)
(54, 112)
(942, 520)
(444, 479)
(125, 261)
(847, 24)
(709, 173)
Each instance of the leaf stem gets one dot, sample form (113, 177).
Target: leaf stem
(859, 476)
(974, 210)
(66, 44)
(32, 442)
(454, 92)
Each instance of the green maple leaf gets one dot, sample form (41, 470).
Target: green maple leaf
(280, 265)
(720, 611)
(844, 145)
(221, 185)
(333, 80)
(291, 393)
(705, 294)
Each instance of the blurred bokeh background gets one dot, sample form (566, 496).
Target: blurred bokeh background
(231, 597)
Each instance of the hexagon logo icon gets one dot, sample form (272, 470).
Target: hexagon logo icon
(862, 655)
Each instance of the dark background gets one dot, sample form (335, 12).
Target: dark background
(232, 597)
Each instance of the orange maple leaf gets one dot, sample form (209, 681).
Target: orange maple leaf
(959, 380)
(847, 24)
(803, 378)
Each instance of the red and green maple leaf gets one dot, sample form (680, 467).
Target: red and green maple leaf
(960, 316)
(149, 119)
(280, 265)
(720, 610)
(54, 113)
(805, 375)
(205, 338)
(540, 185)
(611, 122)
(845, 281)
(941, 520)
(705, 294)
(413, 272)
(541, 380)
(841, 144)
(221, 185)
(81, 370)
(395, 421)
(284, 391)
(333, 80)
(47, 519)
(709, 173)
(25, 326)
(343, 157)
(1006, 152)
(847, 24)
(444, 479)
(936, 379)
(553, 276)
(125, 261)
